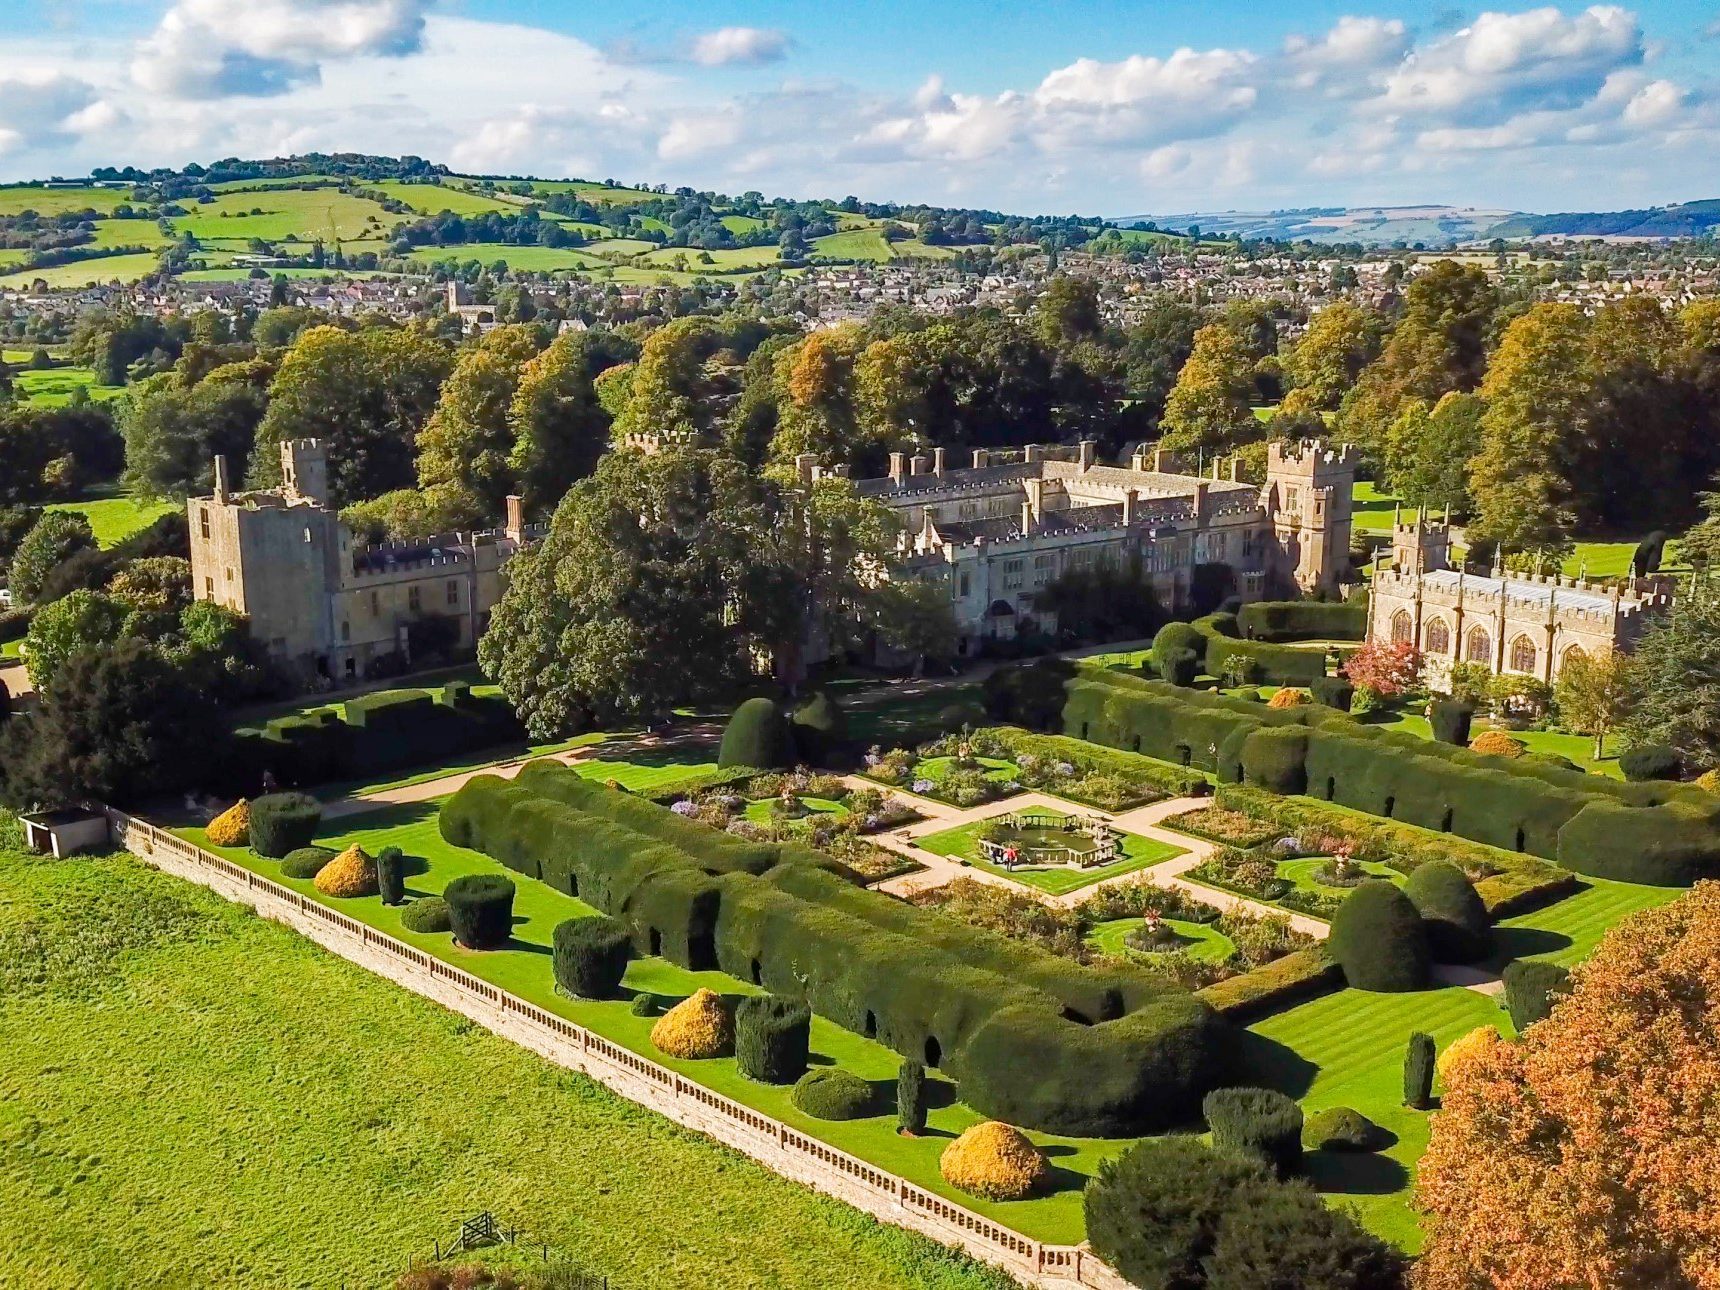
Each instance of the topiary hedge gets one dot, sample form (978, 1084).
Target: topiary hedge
(1339, 1128)
(1033, 1038)
(1419, 1059)
(305, 861)
(1379, 940)
(1297, 976)
(1661, 833)
(831, 1093)
(757, 735)
(391, 875)
(481, 910)
(283, 822)
(696, 1028)
(772, 1038)
(231, 828)
(1458, 929)
(1651, 761)
(429, 914)
(349, 875)
(995, 1161)
(1260, 1123)
(1332, 692)
(911, 1100)
(1450, 720)
(1303, 620)
(590, 956)
(1532, 987)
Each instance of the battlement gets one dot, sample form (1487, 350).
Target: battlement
(1312, 458)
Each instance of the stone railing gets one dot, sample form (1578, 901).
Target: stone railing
(774, 1144)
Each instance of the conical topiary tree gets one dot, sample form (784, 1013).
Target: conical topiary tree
(1379, 941)
(1418, 1059)
(757, 735)
(1458, 929)
(911, 1098)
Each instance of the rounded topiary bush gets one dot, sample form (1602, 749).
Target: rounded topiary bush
(1651, 761)
(349, 875)
(481, 910)
(1288, 697)
(1450, 720)
(428, 915)
(306, 862)
(772, 1038)
(1174, 640)
(831, 1093)
(1338, 1128)
(757, 735)
(231, 828)
(1275, 758)
(283, 822)
(1379, 940)
(590, 956)
(1178, 666)
(391, 875)
(1247, 693)
(1496, 743)
(819, 727)
(643, 1005)
(994, 1161)
(698, 1026)
(1532, 987)
(1458, 929)
(1258, 1122)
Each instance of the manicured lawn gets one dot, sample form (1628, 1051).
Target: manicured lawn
(524, 969)
(760, 812)
(1578, 748)
(1371, 510)
(1137, 853)
(193, 1096)
(1346, 1049)
(1611, 559)
(889, 720)
(1568, 930)
(937, 769)
(1304, 874)
(1198, 940)
(113, 519)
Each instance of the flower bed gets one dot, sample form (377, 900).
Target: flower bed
(1247, 873)
(1218, 823)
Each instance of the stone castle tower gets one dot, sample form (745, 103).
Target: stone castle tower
(1307, 496)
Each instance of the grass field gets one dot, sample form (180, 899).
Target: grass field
(1199, 940)
(1578, 748)
(523, 968)
(1371, 510)
(742, 223)
(853, 244)
(82, 273)
(307, 214)
(1137, 853)
(433, 199)
(617, 248)
(745, 257)
(53, 387)
(128, 232)
(113, 519)
(531, 259)
(190, 1095)
(596, 194)
(1568, 931)
(17, 198)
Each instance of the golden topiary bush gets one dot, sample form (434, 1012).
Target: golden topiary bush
(994, 1161)
(231, 828)
(698, 1026)
(1496, 743)
(1710, 780)
(1463, 1049)
(1288, 697)
(351, 873)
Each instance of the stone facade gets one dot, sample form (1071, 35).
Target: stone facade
(1519, 625)
(323, 604)
(998, 531)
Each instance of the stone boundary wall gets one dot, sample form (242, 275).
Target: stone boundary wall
(774, 1144)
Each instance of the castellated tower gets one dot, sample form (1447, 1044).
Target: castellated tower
(1307, 497)
(304, 470)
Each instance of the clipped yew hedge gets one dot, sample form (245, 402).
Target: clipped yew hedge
(1304, 620)
(282, 823)
(1657, 832)
(1032, 1038)
(1379, 940)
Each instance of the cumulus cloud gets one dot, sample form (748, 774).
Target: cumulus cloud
(1350, 58)
(205, 49)
(740, 46)
(41, 107)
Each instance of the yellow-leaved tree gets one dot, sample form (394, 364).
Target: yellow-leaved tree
(1586, 1154)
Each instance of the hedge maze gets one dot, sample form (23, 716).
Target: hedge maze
(1657, 833)
(1031, 1038)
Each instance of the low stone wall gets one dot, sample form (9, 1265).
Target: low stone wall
(777, 1146)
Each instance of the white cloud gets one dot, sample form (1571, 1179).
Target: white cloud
(214, 48)
(40, 107)
(1350, 58)
(697, 137)
(744, 46)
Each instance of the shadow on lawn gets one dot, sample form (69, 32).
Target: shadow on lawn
(1266, 1063)
(1354, 1173)
(1521, 942)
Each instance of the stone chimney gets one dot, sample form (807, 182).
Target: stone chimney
(1086, 455)
(1139, 460)
(1236, 469)
(1159, 455)
(806, 466)
(1028, 518)
(221, 493)
(1200, 503)
(938, 462)
(1035, 490)
(897, 461)
(1033, 452)
(1129, 499)
(515, 528)
(981, 459)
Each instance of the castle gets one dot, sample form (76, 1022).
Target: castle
(998, 531)
(329, 608)
(1526, 625)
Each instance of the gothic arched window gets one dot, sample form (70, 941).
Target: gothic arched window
(1403, 628)
(1438, 637)
(1478, 647)
(1522, 655)
(1577, 652)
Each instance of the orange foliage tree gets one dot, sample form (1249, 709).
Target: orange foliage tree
(1587, 1154)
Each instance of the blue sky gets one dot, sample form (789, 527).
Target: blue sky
(1107, 106)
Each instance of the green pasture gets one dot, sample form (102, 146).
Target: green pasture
(304, 214)
(433, 199)
(747, 257)
(115, 518)
(194, 1096)
(15, 199)
(529, 259)
(53, 387)
(83, 273)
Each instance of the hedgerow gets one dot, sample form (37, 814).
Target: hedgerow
(1303, 620)
(1032, 1038)
(1291, 979)
(1654, 832)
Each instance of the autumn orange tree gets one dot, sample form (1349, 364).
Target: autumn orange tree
(1586, 1153)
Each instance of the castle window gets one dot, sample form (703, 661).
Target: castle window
(1012, 573)
(453, 593)
(1438, 637)
(1403, 628)
(345, 630)
(209, 592)
(964, 585)
(1478, 647)
(309, 537)
(375, 605)
(203, 516)
(1522, 655)
(414, 600)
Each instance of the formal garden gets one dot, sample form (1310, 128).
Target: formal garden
(982, 1039)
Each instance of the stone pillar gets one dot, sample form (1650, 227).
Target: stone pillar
(897, 462)
(938, 462)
